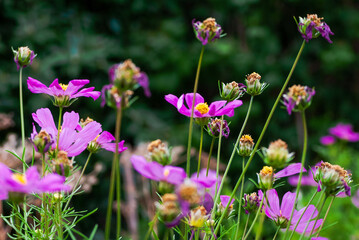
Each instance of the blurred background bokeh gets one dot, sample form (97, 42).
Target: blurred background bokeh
(82, 39)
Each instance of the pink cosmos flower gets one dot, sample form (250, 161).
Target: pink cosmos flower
(105, 141)
(327, 140)
(73, 139)
(280, 214)
(157, 172)
(345, 132)
(30, 182)
(202, 110)
(64, 94)
(225, 200)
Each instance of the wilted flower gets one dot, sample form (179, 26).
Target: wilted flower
(62, 165)
(251, 202)
(312, 27)
(345, 132)
(64, 94)
(73, 139)
(28, 183)
(23, 57)
(201, 108)
(254, 86)
(207, 31)
(198, 217)
(231, 91)
(159, 152)
(327, 140)
(42, 141)
(169, 208)
(298, 98)
(105, 141)
(245, 146)
(280, 214)
(157, 172)
(188, 193)
(214, 127)
(277, 154)
(332, 178)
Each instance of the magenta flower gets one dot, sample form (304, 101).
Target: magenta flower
(225, 200)
(298, 98)
(306, 180)
(201, 108)
(312, 27)
(280, 214)
(157, 172)
(292, 169)
(64, 94)
(345, 132)
(207, 31)
(327, 140)
(105, 141)
(319, 238)
(73, 139)
(203, 181)
(30, 182)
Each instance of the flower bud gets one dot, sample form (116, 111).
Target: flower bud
(266, 178)
(207, 31)
(333, 178)
(198, 217)
(57, 197)
(214, 128)
(169, 209)
(23, 57)
(231, 91)
(159, 152)
(93, 146)
(298, 98)
(245, 146)
(277, 154)
(62, 165)
(251, 202)
(254, 86)
(165, 187)
(41, 141)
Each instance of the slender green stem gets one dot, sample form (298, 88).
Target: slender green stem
(234, 151)
(276, 233)
(296, 225)
(326, 215)
(21, 110)
(17, 221)
(115, 175)
(240, 201)
(59, 226)
(316, 219)
(260, 228)
(150, 229)
(200, 152)
(254, 220)
(304, 152)
(245, 228)
(59, 128)
(261, 135)
(192, 111)
(210, 155)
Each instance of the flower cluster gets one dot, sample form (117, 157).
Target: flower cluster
(298, 98)
(312, 27)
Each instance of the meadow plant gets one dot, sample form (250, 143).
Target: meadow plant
(189, 205)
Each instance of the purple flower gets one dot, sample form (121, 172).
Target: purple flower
(64, 94)
(298, 98)
(345, 132)
(252, 201)
(157, 172)
(105, 141)
(206, 181)
(225, 200)
(30, 182)
(280, 214)
(73, 139)
(23, 57)
(201, 108)
(207, 31)
(292, 169)
(327, 140)
(214, 128)
(312, 27)
(42, 141)
(306, 180)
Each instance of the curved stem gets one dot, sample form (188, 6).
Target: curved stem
(262, 133)
(59, 128)
(200, 152)
(233, 152)
(254, 220)
(305, 144)
(326, 215)
(209, 155)
(296, 225)
(276, 233)
(240, 201)
(192, 110)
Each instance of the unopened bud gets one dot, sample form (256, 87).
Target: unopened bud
(277, 154)
(23, 56)
(232, 91)
(245, 146)
(254, 86)
(62, 164)
(265, 178)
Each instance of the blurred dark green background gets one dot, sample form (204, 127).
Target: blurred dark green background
(82, 39)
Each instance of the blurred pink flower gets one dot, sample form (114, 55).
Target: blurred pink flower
(327, 140)
(345, 132)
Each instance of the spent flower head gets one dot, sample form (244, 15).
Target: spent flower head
(23, 57)
(159, 152)
(254, 86)
(312, 26)
(246, 145)
(298, 98)
(169, 207)
(333, 179)
(214, 127)
(42, 141)
(277, 154)
(207, 31)
(231, 91)
(251, 202)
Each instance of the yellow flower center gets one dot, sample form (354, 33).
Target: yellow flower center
(20, 178)
(267, 170)
(96, 137)
(166, 172)
(64, 86)
(202, 108)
